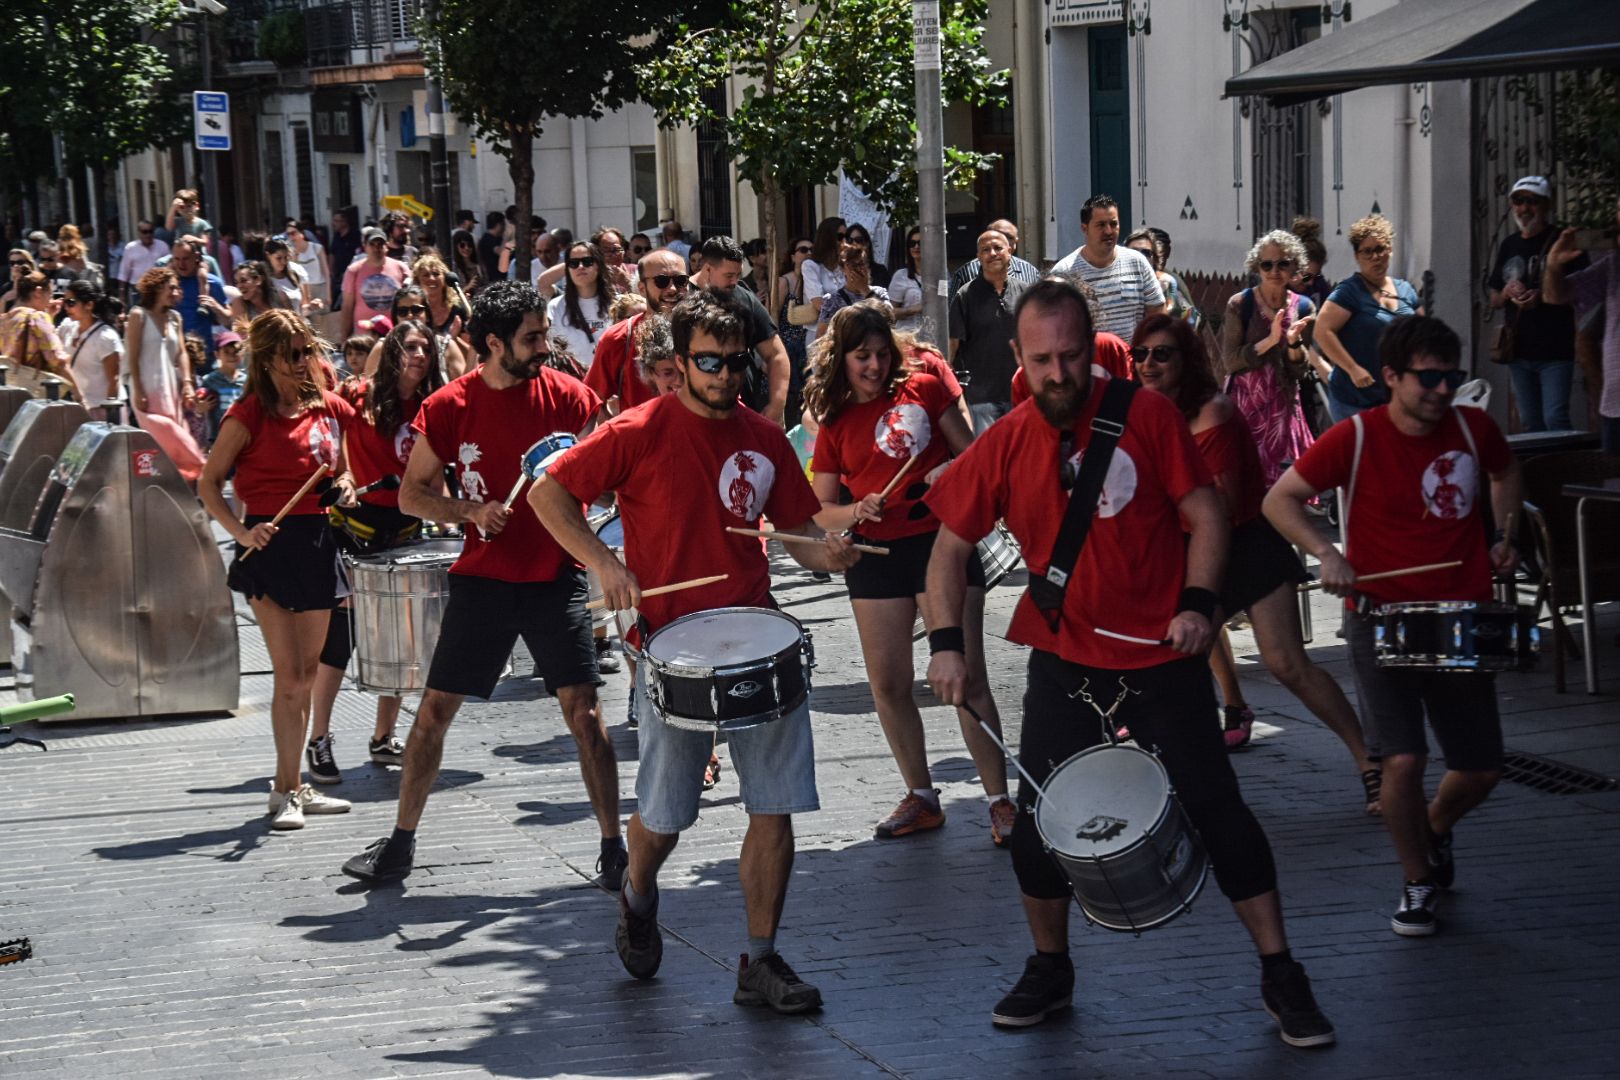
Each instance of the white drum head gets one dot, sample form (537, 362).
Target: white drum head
(1101, 801)
(427, 553)
(717, 639)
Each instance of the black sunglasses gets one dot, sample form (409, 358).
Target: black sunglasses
(1373, 252)
(580, 264)
(710, 363)
(1431, 378)
(18, 262)
(914, 243)
(664, 281)
(1522, 199)
(1268, 265)
(803, 250)
(414, 309)
(1161, 354)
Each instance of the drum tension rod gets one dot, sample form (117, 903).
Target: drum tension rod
(1107, 718)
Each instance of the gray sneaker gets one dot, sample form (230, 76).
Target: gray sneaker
(638, 940)
(772, 982)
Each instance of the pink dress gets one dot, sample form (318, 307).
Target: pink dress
(164, 417)
(1262, 387)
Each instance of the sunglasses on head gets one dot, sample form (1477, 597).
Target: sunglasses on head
(580, 264)
(710, 363)
(664, 281)
(1159, 354)
(1431, 378)
(414, 309)
(1268, 265)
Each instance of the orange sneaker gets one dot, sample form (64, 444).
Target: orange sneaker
(1003, 816)
(914, 814)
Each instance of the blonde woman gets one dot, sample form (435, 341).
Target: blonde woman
(1356, 313)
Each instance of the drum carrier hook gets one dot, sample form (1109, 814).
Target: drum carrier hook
(1106, 718)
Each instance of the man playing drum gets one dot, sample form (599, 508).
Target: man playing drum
(686, 466)
(1414, 498)
(1137, 574)
(512, 580)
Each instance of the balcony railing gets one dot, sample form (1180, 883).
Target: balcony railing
(344, 32)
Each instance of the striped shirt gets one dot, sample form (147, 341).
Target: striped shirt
(1018, 270)
(1125, 288)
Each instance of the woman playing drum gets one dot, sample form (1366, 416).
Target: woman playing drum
(285, 426)
(1261, 569)
(877, 414)
(378, 445)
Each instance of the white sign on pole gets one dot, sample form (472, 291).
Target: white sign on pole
(925, 34)
(211, 120)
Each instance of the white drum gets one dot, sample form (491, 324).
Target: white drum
(728, 669)
(399, 602)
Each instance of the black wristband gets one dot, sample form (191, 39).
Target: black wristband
(946, 639)
(1200, 601)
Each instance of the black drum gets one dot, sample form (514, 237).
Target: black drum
(1457, 635)
(728, 669)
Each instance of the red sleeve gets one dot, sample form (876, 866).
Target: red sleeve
(827, 457)
(1222, 447)
(602, 460)
(1113, 355)
(938, 397)
(612, 352)
(431, 423)
(247, 411)
(1020, 387)
(574, 399)
(340, 409)
(1494, 453)
(968, 497)
(792, 501)
(932, 362)
(1161, 427)
(1327, 463)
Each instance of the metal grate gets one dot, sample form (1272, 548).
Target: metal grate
(1553, 777)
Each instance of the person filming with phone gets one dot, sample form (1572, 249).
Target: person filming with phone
(1598, 283)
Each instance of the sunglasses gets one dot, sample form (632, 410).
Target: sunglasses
(803, 249)
(580, 264)
(18, 262)
(639, 249)
(1374, 252)
(1522, 199)
(1306, 277)
(710, 363)
(914, 245)
(145, 232)
(1268, 265)
(414, 309)
(1159, 354)
(665, 281)
(1431, 378)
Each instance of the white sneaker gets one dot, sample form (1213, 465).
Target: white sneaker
(314, 802)
(286, 810)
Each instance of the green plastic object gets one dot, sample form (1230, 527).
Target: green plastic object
(34, 710)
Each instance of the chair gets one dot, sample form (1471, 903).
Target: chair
(1550, 525)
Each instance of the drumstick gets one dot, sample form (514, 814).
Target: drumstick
(314, 479)
(910, 461)
(1128, 637)
(511, 496)
(794, 538)
(662, 589)
(1309, 585)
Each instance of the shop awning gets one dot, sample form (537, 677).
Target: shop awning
(1429, 40)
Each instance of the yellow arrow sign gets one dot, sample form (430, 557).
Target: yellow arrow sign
(407, 204)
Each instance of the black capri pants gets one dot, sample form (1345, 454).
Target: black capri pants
(1173, 715)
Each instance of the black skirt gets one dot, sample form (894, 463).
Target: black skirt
(298, 569)
(1258, 561)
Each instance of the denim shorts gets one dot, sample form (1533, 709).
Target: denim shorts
(775, 765)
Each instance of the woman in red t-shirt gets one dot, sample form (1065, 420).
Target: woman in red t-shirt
(1262, 570)
(285, 425)
(378, 444)
(878, 412)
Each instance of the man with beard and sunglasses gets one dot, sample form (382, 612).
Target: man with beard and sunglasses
(1414, 476)
(663, 280)
(685, 467)
(512, 579)
(1132, 621)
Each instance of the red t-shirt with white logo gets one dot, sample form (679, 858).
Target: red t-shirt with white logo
(869, 442)
(283, 452)
(1110, 359)
(375, 454)
(1133, 566)
(1234, 461)
(484, 433)
(615, 371)
(681, 480)
(1418, 500)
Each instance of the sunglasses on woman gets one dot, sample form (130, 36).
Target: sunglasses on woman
(710, 363)
(411, 311)
(1268, 265)
(803, 249)
(1159, 354)
(580, 264)
(1373, 252)
(1431, 378)
(664, 281)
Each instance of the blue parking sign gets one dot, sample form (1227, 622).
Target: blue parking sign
(211, 117)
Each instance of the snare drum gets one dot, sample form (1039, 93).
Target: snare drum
(1110, 818)
(728, 669)
(999, 553)
(538, 458)
(1457, 635)
(399, 601)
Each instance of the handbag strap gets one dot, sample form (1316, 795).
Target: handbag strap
(1107, 427)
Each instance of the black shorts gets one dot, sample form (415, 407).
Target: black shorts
(903, 573)
(1461, 706)
(298, 569)
(484, 618)
(367, 529)
(1258, 561)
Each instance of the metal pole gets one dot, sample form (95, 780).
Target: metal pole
(210, 160)
(439, 166)
(931, 170)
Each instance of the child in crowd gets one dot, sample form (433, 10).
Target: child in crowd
(223, 385)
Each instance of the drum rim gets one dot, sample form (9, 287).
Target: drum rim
(381, 559)
(663, 666)
(1451, 607)
(1173, 802)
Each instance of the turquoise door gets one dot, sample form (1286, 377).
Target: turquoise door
(1110, 118)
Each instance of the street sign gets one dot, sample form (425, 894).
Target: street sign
(211, 119)
(407, 204)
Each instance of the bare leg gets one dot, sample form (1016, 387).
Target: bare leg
(766, 864)
(885, 630)
(597, 763)
(1048, 923)
(1282, 645)
(323, 695)
(387, 717)
(1405, 813)
(1459, 793)
(424, 750)
(1224, 664)
(648, 850)
(987, 756)
(294, 640)
(1262, 918)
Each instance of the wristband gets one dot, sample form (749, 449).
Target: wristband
(946, 639)
(1199, 601)
(1497, 536)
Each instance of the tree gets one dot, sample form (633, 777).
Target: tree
(828, 86)
(506, 65)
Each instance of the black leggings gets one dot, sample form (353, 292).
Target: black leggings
(1173, 715)
(335, 653)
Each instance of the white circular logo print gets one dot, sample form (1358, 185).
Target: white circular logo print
(404, 439)
(323, 441)
(903, 431)
(1449, 484)
(1119, 488)
(745, 483)
(377, 291)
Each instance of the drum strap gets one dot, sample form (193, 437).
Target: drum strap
(1107, 427)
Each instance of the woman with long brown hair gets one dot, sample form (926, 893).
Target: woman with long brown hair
(580, 313)
(159, 372)
(285, 426)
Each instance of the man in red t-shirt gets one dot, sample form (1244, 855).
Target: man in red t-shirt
(685, 467)
(1411, 470)
(614, 373)
(1134, 622)
(512, 580)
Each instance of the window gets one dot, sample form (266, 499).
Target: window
(644, 170)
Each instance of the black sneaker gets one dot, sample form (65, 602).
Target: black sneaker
(772, 982)
(387, 750)
(638, 939)
(1415, 917)
(322, 765)
(610, 867)
(1047, 987)
(368, 865)
(1288, 998)
(1442, 867)
(607, 657)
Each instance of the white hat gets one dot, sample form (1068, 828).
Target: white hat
(1535, 185)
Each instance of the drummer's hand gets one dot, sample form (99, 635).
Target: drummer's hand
(620, 589)
(1338, 576)
(841, 554)
(490, 517)
(258, 536)
(947, 674)
(344, 486)
(1504, 558)
(869, 508)
(1190, 633)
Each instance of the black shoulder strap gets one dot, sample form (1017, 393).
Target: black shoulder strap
(1107, 427)
(1248, 308)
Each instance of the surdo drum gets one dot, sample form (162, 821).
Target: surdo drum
(1456, 636)
(399, 601)
(728, 669)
